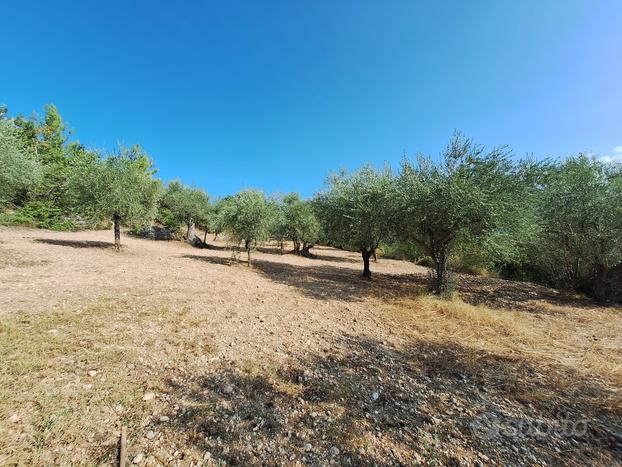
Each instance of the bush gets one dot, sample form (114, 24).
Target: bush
(426, 262)
(43, 214)
(401, 250)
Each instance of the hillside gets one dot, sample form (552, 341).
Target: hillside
(295, 361)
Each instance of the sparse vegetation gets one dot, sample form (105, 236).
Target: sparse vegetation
(295, 360)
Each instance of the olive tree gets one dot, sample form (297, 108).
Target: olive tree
(467, 193)
(303, 226)
(19, 170)
(580, 219)
(216, 221)
(187, 205)
(120, 187)
(356, 210)
(278, 228)
(245, 218)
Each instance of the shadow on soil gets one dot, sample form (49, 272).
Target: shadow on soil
(363, 402)
(75, 243)
(317, 281)
(323, 281)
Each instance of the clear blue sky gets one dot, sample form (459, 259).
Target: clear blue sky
(274, 94)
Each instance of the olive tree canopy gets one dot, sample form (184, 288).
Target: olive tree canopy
(469, 191)
(120, 187)
(187, 205)
(19, 170)
(355, 210)
(580, 220)
(246, 218)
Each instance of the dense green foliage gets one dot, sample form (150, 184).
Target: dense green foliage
(471, 210)
(245, 217)
(20, 171)
(579, 214)
(120, 187)
(356, 211)
(294, 219)
(185, 205)
(468, 193)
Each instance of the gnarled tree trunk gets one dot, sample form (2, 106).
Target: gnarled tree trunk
(191, 233)
(366, 253)
(116, 218)
(305, 249)
(440, 284)
(247, 245)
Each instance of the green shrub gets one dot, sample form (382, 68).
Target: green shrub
(426, 262)
(41, 214)
(400, 250)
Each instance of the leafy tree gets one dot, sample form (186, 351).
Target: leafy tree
(302, 224)
(187, 205)
(245, 218)
(216, 221)
(53, 136)
(278, 228)
(580, 219)
(46, 138)
(19, 170)
(355, 211)
(467, 194)
(120, 187)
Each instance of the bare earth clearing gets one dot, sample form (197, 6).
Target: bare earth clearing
(294, 361)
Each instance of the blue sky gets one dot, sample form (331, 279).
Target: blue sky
(275, 94)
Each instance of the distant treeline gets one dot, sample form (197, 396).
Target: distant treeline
(556, 221)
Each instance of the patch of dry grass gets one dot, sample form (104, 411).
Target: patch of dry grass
(51, 409)
(587, 341)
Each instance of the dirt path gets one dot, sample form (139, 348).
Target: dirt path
(296, 361)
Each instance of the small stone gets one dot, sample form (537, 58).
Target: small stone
(92, 373)
(14, 418)
(150, 434)
(149, 396)
(87, 386)
(308, 447)
(228, 389)
(164, 418)
(53, 331)
(334, 451)
(375, 395)
(207, 456)
(138, 458)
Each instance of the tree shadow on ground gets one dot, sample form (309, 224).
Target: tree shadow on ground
(75, 243)
(323, 282)
(211, 246)
(364, 402)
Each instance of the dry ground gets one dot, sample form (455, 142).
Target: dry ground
(296, 361)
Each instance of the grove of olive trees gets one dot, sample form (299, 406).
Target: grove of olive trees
(557, 221)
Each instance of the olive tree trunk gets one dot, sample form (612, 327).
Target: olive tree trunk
(600, 283)
(440, 282)
(305, 249)
(191, 232)
(366, 253)
(116, 218)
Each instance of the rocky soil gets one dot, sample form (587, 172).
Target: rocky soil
(295, 361)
